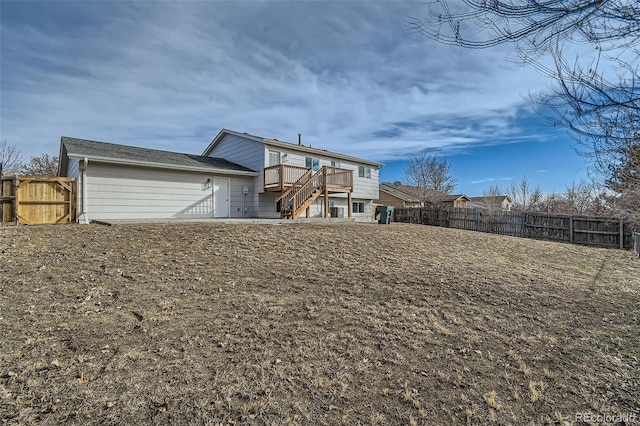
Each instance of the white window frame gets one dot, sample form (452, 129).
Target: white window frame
(312, 163)
(272, 154)
(364, 172)
(358, 207)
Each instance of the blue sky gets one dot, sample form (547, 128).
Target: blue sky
(347, 75)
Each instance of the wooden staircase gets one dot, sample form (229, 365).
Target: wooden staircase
(295, 200)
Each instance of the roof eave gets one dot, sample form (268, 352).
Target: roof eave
(221, 135)
(63, 160)
(399, 196)
(295, 147)
(162, 165)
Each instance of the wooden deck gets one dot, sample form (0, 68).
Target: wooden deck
(279, 178)
(298, 195)
(282, 177)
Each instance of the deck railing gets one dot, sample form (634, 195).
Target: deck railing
(280, 176)
(337, 177)
(286, 199)
(307, 188)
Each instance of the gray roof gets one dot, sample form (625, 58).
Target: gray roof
(403, 192)
(144, 156)
(291, 146)
(412, 193)
(491, 199)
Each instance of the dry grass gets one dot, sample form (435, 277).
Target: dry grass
(312, 324)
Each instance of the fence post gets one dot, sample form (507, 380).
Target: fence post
(16, 200)
(621, 234)
(571, 229)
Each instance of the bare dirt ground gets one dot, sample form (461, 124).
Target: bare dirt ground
(313, 324)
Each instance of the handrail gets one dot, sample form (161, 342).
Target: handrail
(315, 182)
(284, 198)
(299, 193)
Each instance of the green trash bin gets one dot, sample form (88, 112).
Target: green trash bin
(389, 214)
(383, 214)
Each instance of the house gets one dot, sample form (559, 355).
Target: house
(447, 201)
(238, 175)
(501, 202)
(399, 195)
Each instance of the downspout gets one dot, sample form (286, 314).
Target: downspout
(83, 170)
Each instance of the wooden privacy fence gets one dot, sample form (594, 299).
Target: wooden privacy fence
(30, 200)
(588, 230)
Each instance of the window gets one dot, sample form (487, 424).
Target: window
(335, 163)
(312, 163)
(364, 172)
(274, 158)
(357, 207)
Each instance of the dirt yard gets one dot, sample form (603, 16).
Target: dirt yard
(313, 324)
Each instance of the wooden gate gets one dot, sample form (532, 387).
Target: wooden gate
(31, 200)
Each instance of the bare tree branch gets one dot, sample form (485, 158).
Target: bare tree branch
(42, 165)
(596, 97)
(10, 158)
(430, 175)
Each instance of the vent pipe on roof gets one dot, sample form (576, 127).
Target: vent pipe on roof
(299, 139)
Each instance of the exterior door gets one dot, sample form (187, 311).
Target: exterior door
(221, 206)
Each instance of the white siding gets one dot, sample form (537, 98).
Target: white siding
(128, 192)
(243, 151)
(73, 168)
(238, 200)
(317, 208)
(367, 216)
(362, 187)
(255, 155)
(266, 207)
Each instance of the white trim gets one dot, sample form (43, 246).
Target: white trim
(320, 152)
(163, 165)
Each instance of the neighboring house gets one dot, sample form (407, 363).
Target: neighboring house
(238, 175)
(398, 195)
(447, 201)
(502, 202)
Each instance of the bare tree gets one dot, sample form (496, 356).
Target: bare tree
(10, 158)
(41, 165)
(430, 175)
(625, 181)
(588, 198)
(525, 196)
(533, 24)
(596, 95)
(493, 191)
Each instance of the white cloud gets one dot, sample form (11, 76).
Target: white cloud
(348, 76)
(490, 179)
